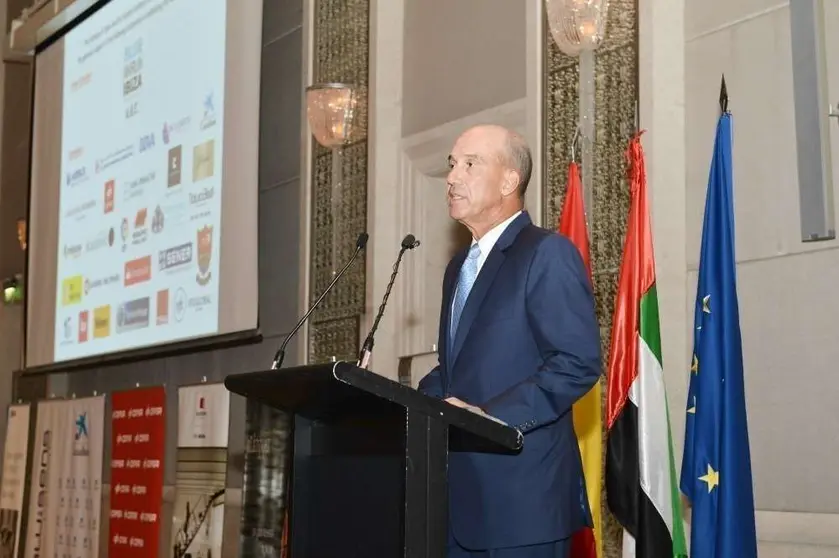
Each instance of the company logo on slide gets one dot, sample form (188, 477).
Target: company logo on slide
(124, 232)
(136, 188)
(72, 251)
(174, 166)
(162, 307)
(78, 83)
(100, 240)
(203, 160)
(180, 304)
(76, 176)
(137, 271)
(204, 196)
(132, 70)
(71, 290)
(157, 220)
(68, 330)
(109, 195)
(114, 157)
(205, 252)
(83, 317)
(141, 231)
(132, 109)
(102, 321)
(172, 128)
(209, 118)
(197, 303)
(133, 314)
(146, 142)
(79, 210)
(174, 257)
(90, 284)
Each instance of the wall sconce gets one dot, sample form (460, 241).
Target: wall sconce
(337, 115)
(13, 289)
(577, 25)
(21, 233)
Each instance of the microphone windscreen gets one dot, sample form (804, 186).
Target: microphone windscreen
(362, 241)
(409, 242)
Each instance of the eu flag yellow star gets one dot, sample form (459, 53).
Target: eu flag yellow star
(692, 410)
(711, 478)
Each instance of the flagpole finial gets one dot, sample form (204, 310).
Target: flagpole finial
(723, 96)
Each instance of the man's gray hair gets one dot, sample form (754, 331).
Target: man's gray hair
(519, 159)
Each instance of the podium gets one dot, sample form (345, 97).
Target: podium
(369, 459)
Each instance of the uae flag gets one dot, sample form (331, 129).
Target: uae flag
(641, 484)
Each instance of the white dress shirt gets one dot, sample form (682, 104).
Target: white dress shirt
(486, 244)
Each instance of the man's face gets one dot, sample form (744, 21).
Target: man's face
(476, 183)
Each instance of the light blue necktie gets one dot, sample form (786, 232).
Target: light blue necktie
(468, 274)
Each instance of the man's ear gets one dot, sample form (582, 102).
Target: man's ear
(511, 182)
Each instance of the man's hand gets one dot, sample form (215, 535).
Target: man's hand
(477, 410)
(464, 405)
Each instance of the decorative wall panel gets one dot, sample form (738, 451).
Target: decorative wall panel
(341, 49)
(616, 95)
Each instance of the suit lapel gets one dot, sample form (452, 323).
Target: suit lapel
(483, 283)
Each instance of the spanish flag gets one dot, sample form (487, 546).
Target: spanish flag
(588, 422)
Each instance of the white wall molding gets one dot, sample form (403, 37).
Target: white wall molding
(535, 106)
(411, 301)
(308, 66)
(428, 150)
(385, 193)
(661, 68)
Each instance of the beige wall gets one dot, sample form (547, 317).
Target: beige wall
(786, 288)
(460, 58)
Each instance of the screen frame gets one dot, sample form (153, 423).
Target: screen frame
(156, 351)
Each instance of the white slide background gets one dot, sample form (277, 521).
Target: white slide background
(140, 202)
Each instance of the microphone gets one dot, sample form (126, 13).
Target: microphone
(280, 354)
(408, 243)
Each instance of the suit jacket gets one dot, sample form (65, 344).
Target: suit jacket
(527, 347)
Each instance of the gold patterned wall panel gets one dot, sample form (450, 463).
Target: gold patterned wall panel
(341, 50)
(616, 95)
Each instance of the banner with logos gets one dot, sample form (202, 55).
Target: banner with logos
(66, 479)
(138, 445)
(12, 487)
(264, 495)
(201, 470)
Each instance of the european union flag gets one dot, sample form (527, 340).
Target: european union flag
(716, 468)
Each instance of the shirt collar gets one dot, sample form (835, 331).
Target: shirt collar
(487, 242)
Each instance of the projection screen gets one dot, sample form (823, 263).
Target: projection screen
(144, 182)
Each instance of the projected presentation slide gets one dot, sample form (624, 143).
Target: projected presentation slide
(141, 178)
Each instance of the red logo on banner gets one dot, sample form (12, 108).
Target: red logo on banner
(138, 428)
(83, 326)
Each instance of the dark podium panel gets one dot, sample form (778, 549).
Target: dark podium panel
(369, 459)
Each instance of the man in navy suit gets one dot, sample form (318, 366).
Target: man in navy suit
(519, 341)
